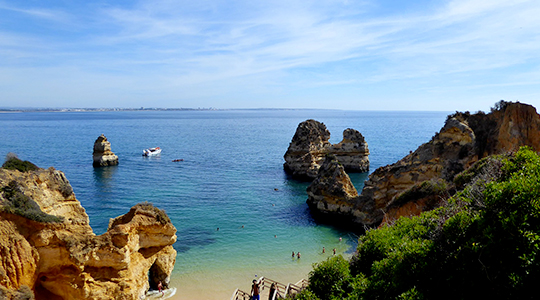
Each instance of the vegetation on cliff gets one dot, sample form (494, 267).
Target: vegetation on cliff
(483, 243)
(12, 162)
(16, 202)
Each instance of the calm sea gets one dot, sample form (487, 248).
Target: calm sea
(231, 178)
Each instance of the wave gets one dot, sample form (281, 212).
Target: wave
(167, 293)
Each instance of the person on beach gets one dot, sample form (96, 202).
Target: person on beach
(272, 291)
(160, 289)
(334, 251)
(255, 290)
(323, 250)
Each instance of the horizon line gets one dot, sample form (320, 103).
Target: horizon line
(90, 109)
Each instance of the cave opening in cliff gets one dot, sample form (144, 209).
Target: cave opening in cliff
(156, 274)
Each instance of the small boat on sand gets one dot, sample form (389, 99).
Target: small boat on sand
(152, 151)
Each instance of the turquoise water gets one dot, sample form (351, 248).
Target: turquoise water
(232, 176)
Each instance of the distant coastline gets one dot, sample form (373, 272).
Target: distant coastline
(8, 110)
(19, 110)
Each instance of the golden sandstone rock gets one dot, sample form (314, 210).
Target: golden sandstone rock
(464, 139)
(103, 156)
(63, 258)
(310, 145)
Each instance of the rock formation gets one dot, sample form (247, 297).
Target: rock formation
(48, 248)
(330, 195)
(103, 156)
(428, 173)
(310, 145)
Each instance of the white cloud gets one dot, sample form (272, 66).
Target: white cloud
(281, 45)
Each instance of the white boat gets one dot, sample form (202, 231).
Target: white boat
(152, 151)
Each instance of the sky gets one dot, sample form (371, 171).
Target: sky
(458, 55)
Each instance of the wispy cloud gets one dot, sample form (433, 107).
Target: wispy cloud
(462, 36)
(281, 45)
(40, 13)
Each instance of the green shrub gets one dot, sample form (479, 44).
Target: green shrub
(304, 295)
(328, 277)
(484, 243)
(485, 170)
(65, 189)
(14, 163)
(412, 294)
(401, 252)
(20, 204)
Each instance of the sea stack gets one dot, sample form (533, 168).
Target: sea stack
(103, 156)
(310, 145)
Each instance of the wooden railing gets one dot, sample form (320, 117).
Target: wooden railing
(282, 290)
(239, 294)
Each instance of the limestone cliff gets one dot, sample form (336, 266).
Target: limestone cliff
(331, 194)
(48, 248)
(310, 145)
(464, 139)
(103, 156)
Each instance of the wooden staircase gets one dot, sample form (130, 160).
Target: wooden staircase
(265, 283)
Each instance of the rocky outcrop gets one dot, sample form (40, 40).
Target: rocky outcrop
(332, 192)
(333, 198)
(310, 145)
(103, 156)
(61, 258)
(464, 139)
(352, 152)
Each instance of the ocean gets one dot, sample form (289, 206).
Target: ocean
(231, 178)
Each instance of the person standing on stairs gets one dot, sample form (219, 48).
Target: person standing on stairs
(272, 291)
(255, 290)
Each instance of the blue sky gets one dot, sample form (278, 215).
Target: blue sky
(360, 55)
